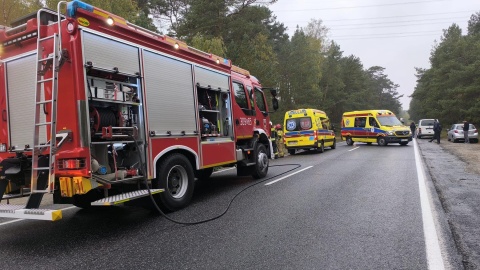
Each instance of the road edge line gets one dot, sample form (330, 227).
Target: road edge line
(432, 245)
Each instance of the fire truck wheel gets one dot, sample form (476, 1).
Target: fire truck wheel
(203, 174)
(260, 168)
(334, 144)
(176, 177)
(349, 141)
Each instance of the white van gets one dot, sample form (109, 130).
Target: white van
(425, 128)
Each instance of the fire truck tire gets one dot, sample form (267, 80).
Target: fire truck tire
(176, 177)
(260, 169)
(334, 144)
(203, 174)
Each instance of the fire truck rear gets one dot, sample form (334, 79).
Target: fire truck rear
(98, 111)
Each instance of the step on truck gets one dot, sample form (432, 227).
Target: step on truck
(98, 111)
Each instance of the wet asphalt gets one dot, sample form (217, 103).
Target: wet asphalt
(353, 209)
(459, 195)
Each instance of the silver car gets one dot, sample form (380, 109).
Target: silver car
(455, 133)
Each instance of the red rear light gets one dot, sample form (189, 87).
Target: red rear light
(456, 131)
(71, 164)
(475, 131)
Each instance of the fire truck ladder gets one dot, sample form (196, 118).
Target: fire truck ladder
(43, 154)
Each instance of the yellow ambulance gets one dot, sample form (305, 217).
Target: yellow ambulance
(374, 126)
(307, 129)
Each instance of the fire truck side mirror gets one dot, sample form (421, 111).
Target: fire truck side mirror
(275, 103)
(273, 92)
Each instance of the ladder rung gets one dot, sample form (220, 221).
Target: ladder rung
(44, 102)
(42, 145)
(48, 58)
(38, 191)
(45, 38)
(45, 80)
(40, 168)
(43, 124)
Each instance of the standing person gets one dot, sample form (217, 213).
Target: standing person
(437, 128)
(412, 128)
(280, 145)
(273, 139)
(466, 127)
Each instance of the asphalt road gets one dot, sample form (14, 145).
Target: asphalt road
(356, 207)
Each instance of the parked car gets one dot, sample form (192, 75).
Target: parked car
(455, 133)
(425, 128)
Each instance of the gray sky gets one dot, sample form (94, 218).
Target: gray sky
(395, 34)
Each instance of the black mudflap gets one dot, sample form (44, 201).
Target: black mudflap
(42, 181)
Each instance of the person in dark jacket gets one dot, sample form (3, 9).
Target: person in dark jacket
(466, 127)
(412, 128)
(437, 128)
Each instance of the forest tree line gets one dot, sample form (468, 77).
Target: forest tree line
(309, 70)
(450, 89)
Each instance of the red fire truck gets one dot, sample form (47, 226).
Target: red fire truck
(98, 111)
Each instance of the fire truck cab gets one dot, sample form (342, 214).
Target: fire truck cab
(98, 111)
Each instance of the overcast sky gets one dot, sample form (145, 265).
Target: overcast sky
(395, 34)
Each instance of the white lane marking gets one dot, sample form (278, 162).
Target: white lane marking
(354, 148)
(21, 219)
(434, 255)
(281, 178)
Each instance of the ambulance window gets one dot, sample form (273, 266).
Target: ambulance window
(372, 122)
(360, 121)
(260, 100)
(240, 96)
(298, 124)
(325, 123)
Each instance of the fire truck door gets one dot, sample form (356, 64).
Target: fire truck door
(261, 108)
(243, 112)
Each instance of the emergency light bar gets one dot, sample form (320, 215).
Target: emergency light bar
(110, 19)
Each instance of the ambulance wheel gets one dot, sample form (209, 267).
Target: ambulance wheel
(349, 141)
(321, 149)
(381, 141)
(334, 144)
(175, 175)
(203, 174)
(291, 151)
(260, 169)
